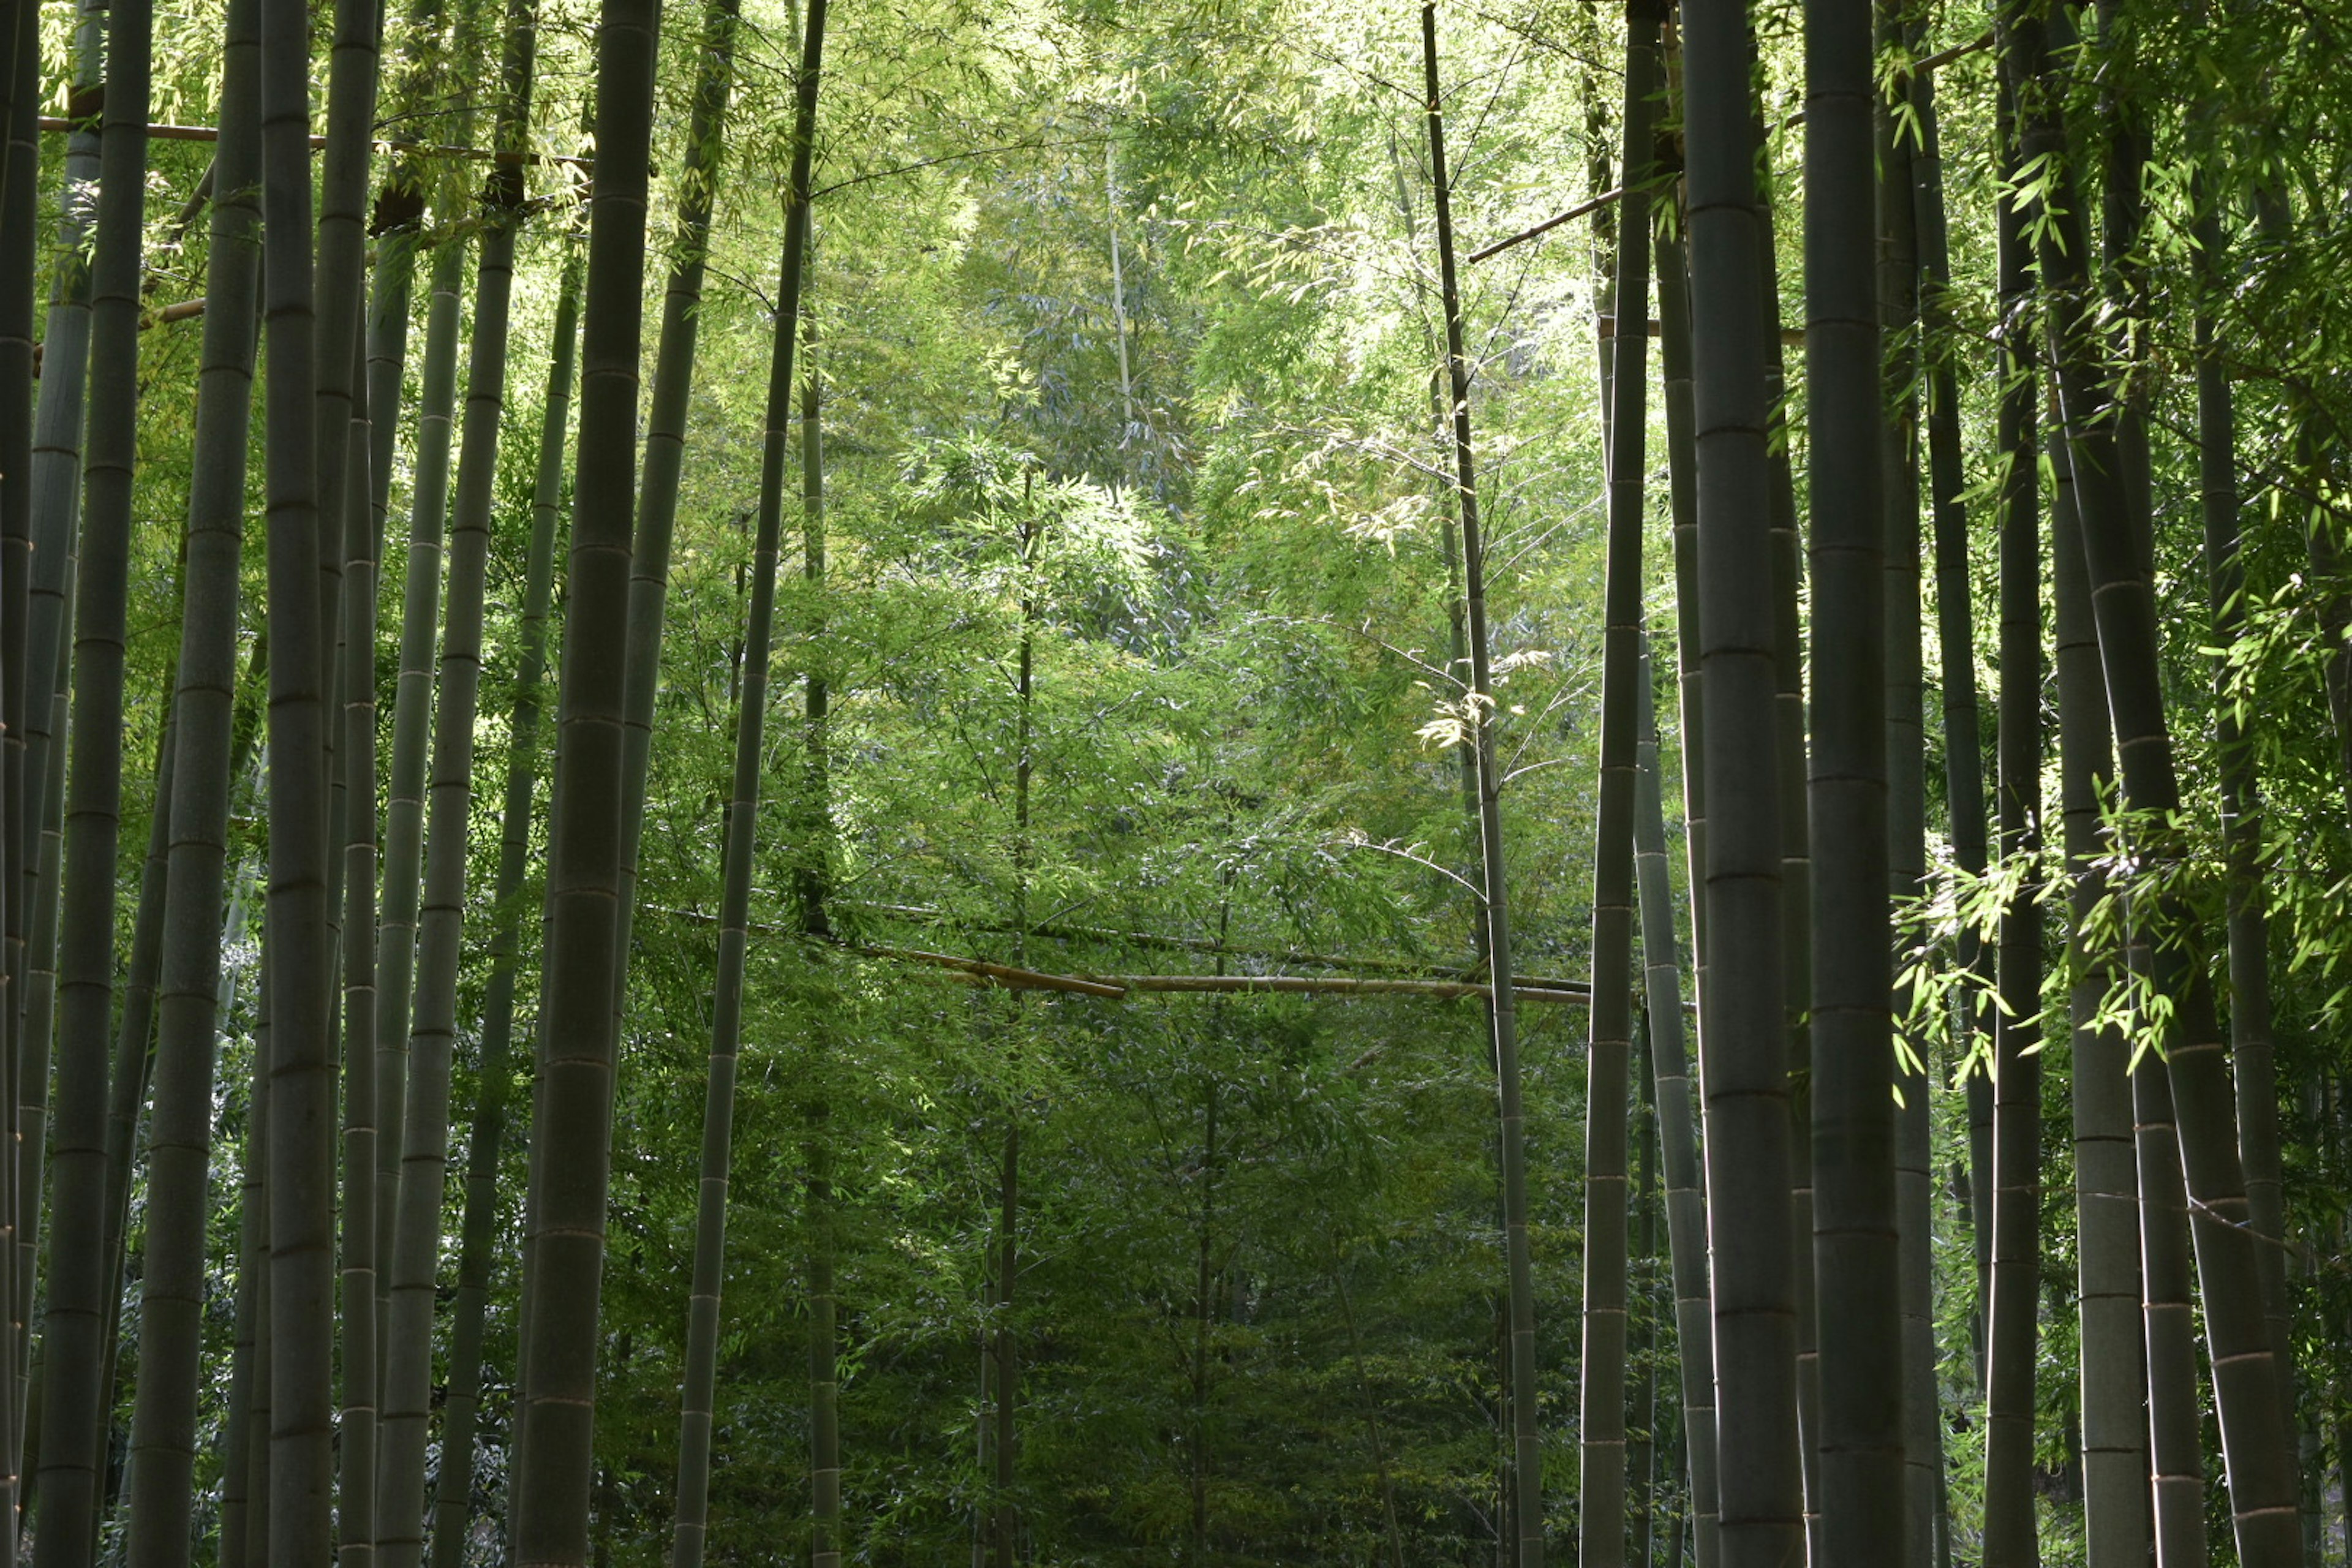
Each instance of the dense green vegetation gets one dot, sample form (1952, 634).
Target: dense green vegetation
(752, 754)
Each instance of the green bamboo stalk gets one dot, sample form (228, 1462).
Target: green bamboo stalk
(2247, 1388)
(2252, 1058)
(1858, 1291)
(355, 1501)
(477, 1257)
(55, 458)
(2117, 1382)
(301, 1161)
(71, 1330)
(743, 818)
(163, 1416)
(1936, 363)
(572, 1119)
(1678, 1134)
(412, 726)
(1527, 1467)
(1601, 1425)
(815, 880)
(425, 1153)
(666, 426)
(1744, 1040)
(1682, 483)
(2011, 1334)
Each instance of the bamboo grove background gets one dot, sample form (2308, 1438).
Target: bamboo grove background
(1205, 781)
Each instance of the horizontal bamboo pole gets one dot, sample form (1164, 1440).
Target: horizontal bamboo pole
(59, 125)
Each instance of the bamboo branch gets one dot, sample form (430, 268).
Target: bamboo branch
(1583, 209)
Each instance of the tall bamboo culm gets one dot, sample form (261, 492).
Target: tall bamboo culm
(1743, 1039)
(572, 1119)
(1677, 1131)
(1526, 1453)
(179, 1134)
(453, 1497)
(2248, 1391)
(743, 818)
(73, 1351)
(1602, 1386)
(2122, 1390)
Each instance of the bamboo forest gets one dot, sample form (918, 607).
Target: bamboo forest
(1175, 784)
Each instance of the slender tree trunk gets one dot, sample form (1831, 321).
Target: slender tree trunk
(1601, 1424)
(1964, 798)
(815, 880)
(1682, 483)
(18, 250)
(1744, 1040)
(2251, 1056)
(1678, 1134)
(72, 1329)
(55, 458)
(1796, 853)
(172, 1283)
(425, 1152)
(252, 1256)
(1527, 1469)
(1906, 804)
(2259, 1462)
(355, 1509)
(2012, 1336)
(477, 1257)
(412, 721)
(1641, 1439)
(257, 1527)
(572, 1121)
(674, 356)
(735, 895)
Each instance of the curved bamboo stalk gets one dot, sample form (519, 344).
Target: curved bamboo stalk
(572, 1120)
(2251, 1055)
(1601, 1425)
(1744, 1041)
(2248, 1389)
(477, 1257)
(1527, 1465)
(163, 1424)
